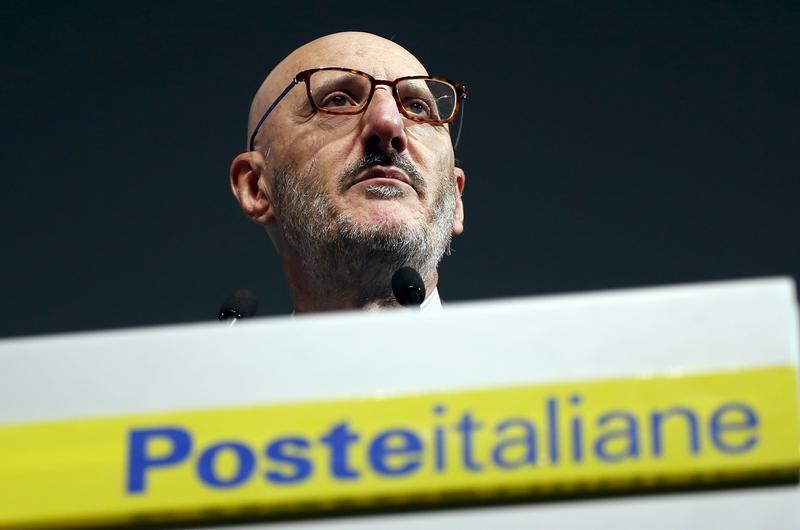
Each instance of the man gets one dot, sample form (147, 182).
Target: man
(351, 170)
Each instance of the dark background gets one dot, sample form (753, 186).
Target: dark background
(606, 145)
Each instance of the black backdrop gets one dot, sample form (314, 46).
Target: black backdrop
(606, 144)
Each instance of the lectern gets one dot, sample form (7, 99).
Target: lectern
(669, 407)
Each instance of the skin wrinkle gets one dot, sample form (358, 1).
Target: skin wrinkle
(340, 240)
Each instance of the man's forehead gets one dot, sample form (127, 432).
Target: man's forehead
(362, 51)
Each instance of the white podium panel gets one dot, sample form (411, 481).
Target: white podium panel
(110, 387)
(756, 509)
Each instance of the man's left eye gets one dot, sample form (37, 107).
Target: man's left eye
(417, 107)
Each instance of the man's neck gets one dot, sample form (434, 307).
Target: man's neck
(310, 297)
(431, 304)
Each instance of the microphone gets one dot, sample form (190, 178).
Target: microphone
(408, 287)
(240, 304)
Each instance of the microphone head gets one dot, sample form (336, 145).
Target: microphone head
(240, 304)
(408, 287)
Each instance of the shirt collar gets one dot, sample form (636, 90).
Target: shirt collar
(431, 304)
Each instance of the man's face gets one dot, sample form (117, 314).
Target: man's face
(371, 176)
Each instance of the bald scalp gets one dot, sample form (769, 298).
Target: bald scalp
(349, 49)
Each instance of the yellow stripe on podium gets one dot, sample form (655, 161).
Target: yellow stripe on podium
(538, 440)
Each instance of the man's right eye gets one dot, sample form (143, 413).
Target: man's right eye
(337, 99)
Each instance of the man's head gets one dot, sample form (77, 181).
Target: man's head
(348, 199)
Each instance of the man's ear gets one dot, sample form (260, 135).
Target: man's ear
(248, 188)
(458, 218)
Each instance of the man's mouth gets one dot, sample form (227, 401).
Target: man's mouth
(385, 169)
(383, 173)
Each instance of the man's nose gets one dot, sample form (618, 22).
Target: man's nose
(384, 127)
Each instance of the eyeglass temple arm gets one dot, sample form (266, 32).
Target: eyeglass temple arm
(286, 90)
(460, 122)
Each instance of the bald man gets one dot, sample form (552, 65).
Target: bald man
(351, 170)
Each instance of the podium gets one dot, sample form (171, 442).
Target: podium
(660, 407)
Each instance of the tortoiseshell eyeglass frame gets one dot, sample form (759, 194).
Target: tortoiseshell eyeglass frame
(305, 76)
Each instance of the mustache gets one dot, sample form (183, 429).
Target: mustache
(389, 158)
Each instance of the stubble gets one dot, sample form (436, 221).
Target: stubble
(343, 257)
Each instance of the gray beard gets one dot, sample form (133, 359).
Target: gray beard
(341, 258)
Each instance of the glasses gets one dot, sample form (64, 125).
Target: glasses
(333, 90)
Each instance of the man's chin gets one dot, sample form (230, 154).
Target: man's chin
(384, 214)
(383, 225)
